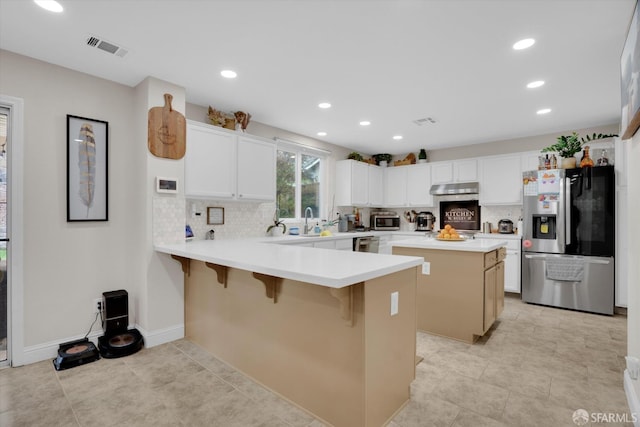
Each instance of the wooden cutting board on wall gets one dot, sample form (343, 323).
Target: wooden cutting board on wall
(167, 131)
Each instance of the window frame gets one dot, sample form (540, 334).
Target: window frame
(299, 150)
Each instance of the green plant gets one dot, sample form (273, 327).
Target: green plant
(277, 223)
(355, 156)
(569, 145)
(422, 154)
(382, 158)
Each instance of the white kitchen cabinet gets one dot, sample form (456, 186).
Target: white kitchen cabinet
(501, 180)
(209, 163)
(352, 183)
(464, 170)
(221, 164)
(395, 186)
(418, 185)
(530, 160)
(376, 185)
(256, 176)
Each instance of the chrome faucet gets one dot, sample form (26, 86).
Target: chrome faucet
(306, 226)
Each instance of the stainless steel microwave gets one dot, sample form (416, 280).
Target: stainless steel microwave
(385, 221)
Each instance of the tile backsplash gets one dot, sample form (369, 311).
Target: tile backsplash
(241, 220)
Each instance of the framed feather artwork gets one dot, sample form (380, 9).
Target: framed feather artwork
(87, 169)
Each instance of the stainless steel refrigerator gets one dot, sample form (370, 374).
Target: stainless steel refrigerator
(569, 238)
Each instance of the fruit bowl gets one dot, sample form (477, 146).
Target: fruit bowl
(459, 239)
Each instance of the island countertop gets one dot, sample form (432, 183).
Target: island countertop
(324, 267)
(468, 245)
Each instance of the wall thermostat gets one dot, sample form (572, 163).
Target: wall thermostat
(166, 185)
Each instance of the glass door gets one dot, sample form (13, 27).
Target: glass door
(4, 237)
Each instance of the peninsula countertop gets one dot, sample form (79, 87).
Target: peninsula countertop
(468, 245)
(324, 267)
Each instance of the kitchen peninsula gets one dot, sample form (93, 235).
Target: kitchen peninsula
(461, 289)
(332, 331)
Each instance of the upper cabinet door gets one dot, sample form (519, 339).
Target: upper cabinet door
(441, 172)
(465, 170)
(376, 185)
(501, 180)
(256, 169)
(359, 183)
(395, 189)
(209, 165)
(418, 185)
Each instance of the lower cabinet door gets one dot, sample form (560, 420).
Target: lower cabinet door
(499, 288)
(490, 277)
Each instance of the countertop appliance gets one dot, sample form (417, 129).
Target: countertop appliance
(366, 244)
(505, 226)
(384, 220)
(569, 238)
(425, 221)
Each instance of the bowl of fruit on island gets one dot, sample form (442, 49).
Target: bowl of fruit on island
(450, 234)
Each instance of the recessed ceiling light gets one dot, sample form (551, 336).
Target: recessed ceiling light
(324, 105)
(523, 44)
(365, 123)
(535, 84)
(50, 5)
(228, 74)
(397, 137)
(544, 111)
(321, 134)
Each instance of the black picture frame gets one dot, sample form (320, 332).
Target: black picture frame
(630, 78)
(87, 169)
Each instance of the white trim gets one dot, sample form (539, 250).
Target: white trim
(162, 336)
(15, 288)
(632, 397)
(303, 148)
(49, 350)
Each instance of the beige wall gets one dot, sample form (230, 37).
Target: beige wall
(67, 265)
(513, 145)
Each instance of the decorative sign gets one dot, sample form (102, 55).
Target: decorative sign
(460, 214)
(215, 215)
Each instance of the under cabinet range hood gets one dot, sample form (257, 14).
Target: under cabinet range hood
(454, 188)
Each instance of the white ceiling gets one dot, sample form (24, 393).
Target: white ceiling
(390, 62)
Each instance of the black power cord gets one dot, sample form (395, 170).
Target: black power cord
(99, 313)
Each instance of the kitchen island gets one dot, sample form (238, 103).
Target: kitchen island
(461, 289)
(316, 326)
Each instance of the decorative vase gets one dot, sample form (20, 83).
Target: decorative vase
(276, 231)
(568, 162)
(422, 160)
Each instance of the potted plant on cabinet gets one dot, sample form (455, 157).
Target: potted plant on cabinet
(422, 156)
(568, 145)
(275, 227)
(382, 159)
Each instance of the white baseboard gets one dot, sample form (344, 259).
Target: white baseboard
(49, 350)
(631, 388)
(162, 336)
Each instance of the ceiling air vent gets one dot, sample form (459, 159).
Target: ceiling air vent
(425, 121)
(106, 46)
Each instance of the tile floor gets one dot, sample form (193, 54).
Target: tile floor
(535, 368)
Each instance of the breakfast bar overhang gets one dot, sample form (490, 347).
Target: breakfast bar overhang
(334, 332)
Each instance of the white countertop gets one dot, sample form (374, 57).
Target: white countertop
(468, 245)
(325, 267)
(498, 236)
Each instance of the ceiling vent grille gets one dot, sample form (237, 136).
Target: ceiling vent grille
(106, 46)
(425, 121)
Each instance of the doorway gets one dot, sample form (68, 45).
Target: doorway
(4, 235)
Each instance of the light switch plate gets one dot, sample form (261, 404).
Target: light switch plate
(426, 268)
(394, 303)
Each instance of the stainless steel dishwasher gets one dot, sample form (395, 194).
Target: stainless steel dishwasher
(366, 244)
